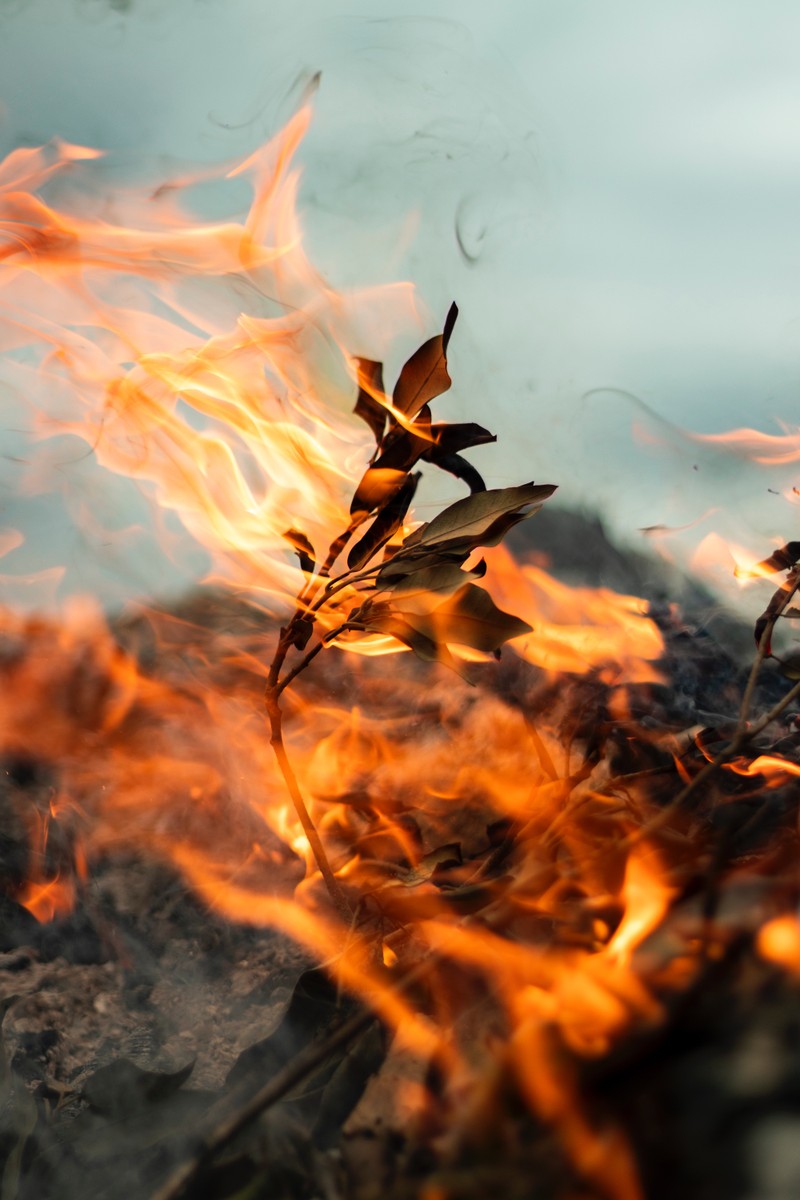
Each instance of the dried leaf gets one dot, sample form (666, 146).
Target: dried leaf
(302, 628)
(404, 563)
(304, 550)
(403, 448)
(453, 438)
(385, 525)
(472, 520)
(380, 618)
(370, 381)
(378, 484)
(443, 856)
(773, 611)
(782, 560)
(469, 618)
(346, 1085)
(121, 1088)
(458, 466)
(425, 375)
(422, 590)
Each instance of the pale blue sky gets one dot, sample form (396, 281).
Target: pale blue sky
(626, 177)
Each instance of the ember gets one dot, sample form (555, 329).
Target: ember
(513, 880)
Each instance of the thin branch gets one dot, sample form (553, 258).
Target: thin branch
(309, 828)
(739, 740)
(310, 656)
(243, 1110)
(273, 1091)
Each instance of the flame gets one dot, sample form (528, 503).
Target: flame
(778, 941)
(214, 366)
(647, 895)
(577, 629)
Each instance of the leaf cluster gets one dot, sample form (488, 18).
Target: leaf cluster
(786, 559)
(414, 587)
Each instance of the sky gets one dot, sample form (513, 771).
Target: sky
(610, 192)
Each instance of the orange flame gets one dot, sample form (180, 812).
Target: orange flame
(123, 321)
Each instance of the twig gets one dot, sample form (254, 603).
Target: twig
(273, 1091)
(710, 769)
(310, 656)
(275, 715)
(270, 1094)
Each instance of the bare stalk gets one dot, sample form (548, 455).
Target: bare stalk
(744, 733)
(272, 694)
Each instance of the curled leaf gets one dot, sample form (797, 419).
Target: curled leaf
(425, 375)
(370, 386)
(380, 618)
(378, 484)
(773, 611)
(782, 560)
(482, 519)
(458, 466)
(304, 550)
(386, 523)
(422, 590)
(469, 618)
(455, 437)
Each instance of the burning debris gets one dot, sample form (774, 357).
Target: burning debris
(451, 924)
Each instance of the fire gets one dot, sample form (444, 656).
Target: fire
(578, 629)
(213, 365)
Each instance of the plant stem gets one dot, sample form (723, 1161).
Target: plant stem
(275, 715)
(744, 732)
(282, 684)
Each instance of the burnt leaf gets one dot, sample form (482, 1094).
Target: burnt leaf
(469, 618)
(301, 630)
(121, 1088)
(370, 381)
(404, 563)
(443, 856)
(425, 375)
(381, 618)
(315, 1006)
(402, 448)
(458, 466)
(429, 584)
(453, 438)
(303, 549)
(385, 525)
(346, 1086)
(782, 560)
(338, 544)
(771, 613)
(481, 519)
(378, 484)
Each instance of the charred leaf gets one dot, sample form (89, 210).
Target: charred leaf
(425, 375)
(389, 519)
(480, 520)
(378, 484)
(454, 464)
(370, 382)
(381, 618)
(469, 618)
(303, 549)
(121, 1088)
(782, 560)
(777, 603)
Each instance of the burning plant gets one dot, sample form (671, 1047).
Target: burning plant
(531, 870)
